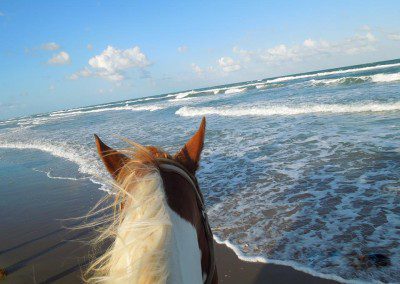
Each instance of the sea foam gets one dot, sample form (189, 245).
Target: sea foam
(120, 108)
(287, 110)
(334, 72)
(377, 78)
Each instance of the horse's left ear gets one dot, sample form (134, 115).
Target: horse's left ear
(112, 159)
(189, 155)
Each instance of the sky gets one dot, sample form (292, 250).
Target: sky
(61, 54)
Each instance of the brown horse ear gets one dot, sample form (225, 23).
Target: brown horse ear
(112, 159)
(189, 155)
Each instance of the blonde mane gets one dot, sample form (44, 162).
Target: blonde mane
(140, 226)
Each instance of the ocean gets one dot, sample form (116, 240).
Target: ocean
(301, 170)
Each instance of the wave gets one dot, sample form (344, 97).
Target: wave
(184, 94)
(126, 107)
(293, 264)
(287, 110)
(386, 77)
(50, 176)
(143, 100)
(261, 86)
(235, 90)
(85, 108)
(377, 78)
(86, 165)
(334, 72)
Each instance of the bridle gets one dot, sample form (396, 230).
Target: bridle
(173, 166)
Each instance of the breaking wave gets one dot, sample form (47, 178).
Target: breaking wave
(287, 110)
(86, 164)
(377, 78)
(333, 72)
(235, 90)
(126, 107)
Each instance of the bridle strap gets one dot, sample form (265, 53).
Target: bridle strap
(173, 166)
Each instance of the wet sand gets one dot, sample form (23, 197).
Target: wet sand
(36, 247)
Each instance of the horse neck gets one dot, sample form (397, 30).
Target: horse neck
(154, 244)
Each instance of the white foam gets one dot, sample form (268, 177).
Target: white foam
(287, 110)
(326, 73)
(143, 100)
(184, 94)
(293, 264)
(235, 90)
(85, 164)
(50, 176)
(377, 78)
(261, 86)
(386, 77)
(126, 107)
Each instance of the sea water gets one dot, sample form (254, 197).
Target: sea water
(302, 170)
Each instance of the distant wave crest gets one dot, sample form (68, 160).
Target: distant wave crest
(126, 107)
(334, 72)
(287, 110)
(377, 78)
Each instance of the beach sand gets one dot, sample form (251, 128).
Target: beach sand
(36, 247)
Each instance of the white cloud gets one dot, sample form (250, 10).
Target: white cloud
(310, 48)
(394, 36)
(85, 72)
(228, 64)
(52, 46)
(279, 52)
(368, 37)
(197, 69)
(89, 46)
(60, 59)
(309, 43)
(113, 59)
(182, 48)
(112, 63)
(245, 54)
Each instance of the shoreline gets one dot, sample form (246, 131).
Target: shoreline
(38, 248)
(231, 269)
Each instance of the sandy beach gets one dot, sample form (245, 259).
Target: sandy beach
(37, 247)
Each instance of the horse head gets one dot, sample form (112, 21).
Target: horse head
(160, 234)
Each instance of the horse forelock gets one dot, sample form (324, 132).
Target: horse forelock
(144, 195)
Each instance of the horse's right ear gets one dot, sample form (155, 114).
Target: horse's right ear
(112, 159)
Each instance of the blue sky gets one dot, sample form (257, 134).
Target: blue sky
(56, 55)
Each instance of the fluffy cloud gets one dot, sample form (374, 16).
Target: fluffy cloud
(60, 59)
(310, 48)
(182, 48)
(394, 36)
(52, 46)
(196, 69)
(228, 64)
(112, 62)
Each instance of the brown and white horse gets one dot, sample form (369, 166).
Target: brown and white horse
(159, 230)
